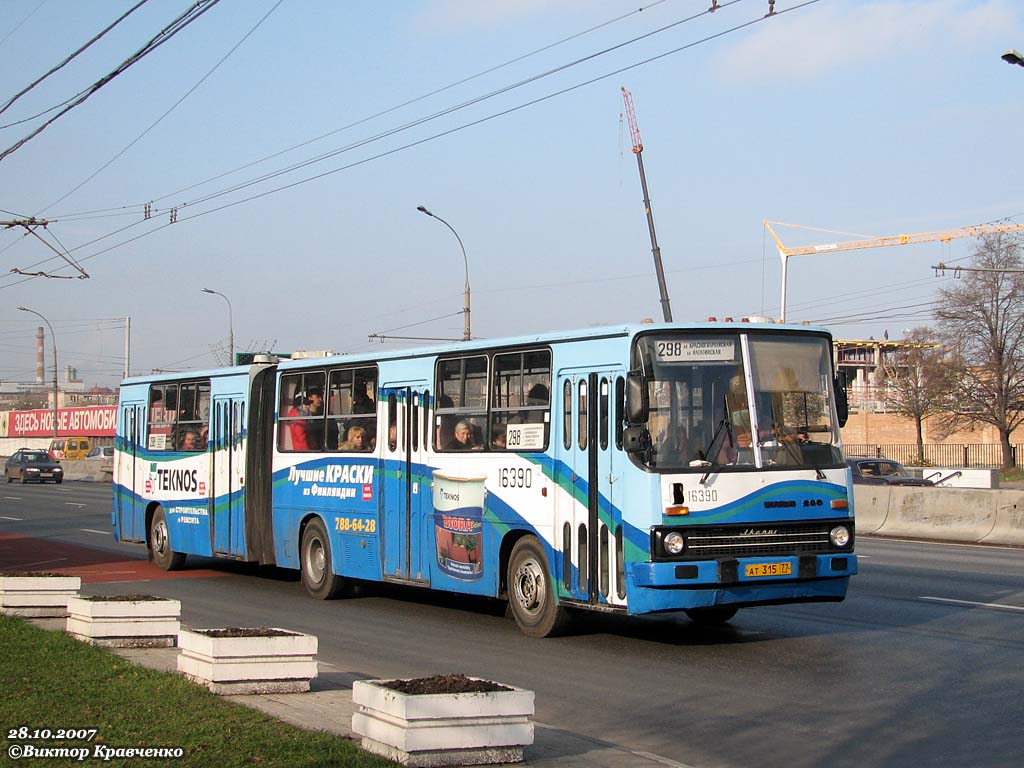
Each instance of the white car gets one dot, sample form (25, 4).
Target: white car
(101, 453)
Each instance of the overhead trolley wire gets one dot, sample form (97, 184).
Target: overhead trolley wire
(60, 66)
(198, 8)
(382, 113)
(160, 119)
(21, 23)
(457, 107)
(440, 134)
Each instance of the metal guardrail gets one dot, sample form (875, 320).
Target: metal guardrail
(988, 455)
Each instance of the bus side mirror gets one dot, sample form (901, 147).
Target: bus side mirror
(842, 403)
(635, 439)
(637, 405)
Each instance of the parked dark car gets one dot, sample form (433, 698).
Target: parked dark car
(883, 472)
(33, 465)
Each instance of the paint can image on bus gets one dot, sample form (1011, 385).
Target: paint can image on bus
(458, 524)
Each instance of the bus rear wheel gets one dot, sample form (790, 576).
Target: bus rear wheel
(711, 617)
(318, 576)
(160, 544)
(531, 593)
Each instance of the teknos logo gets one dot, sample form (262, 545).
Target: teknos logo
(760, 532)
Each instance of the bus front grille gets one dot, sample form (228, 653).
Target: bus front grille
(756, 540)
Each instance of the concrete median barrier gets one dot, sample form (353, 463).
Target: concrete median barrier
(943, 514)
(92, 471)
(1009, 519)
(871, 506)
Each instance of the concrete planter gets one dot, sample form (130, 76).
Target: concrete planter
(146, 622)
(259, 662)
(439, 729)
(37, 596)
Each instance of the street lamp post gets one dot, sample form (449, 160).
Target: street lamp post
(231, 325)
(465, 308)
(53, 338)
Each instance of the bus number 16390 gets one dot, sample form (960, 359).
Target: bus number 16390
(515, 477)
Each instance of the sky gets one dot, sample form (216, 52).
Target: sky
(283, 147)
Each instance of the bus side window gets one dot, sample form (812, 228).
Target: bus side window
(603, 413)
(520, 394)
(567, 415)
(461, 405)
(583, 415)
(620, 398)
(392, 422)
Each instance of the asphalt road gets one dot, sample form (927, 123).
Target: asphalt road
(921, 665)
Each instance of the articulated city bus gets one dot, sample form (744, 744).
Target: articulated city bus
(634, 469)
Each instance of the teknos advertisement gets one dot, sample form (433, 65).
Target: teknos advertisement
(91, 421)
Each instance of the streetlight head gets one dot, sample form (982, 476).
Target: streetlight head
(1013, 56)
(24, 309)
(207, 290)
(423, 209)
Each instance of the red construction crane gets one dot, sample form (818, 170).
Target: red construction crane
(638, 149)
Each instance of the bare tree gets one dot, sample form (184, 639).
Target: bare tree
(916, 381)
(982, 323)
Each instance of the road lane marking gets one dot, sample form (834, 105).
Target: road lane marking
(13, 498)
(977, 605)
(72, 504)
(618, 748)
(4, 517)
(93, 530)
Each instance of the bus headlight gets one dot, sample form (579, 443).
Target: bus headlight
(839, 536)
(674, 543)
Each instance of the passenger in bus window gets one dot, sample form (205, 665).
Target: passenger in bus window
(315, 425)
(204, 434)
(498, 441)
(357, 440)
(189, 441)
(362, 402)
(463, 439)
(307, 429)
(538, 395)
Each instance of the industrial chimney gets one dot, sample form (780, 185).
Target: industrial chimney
(40, 369)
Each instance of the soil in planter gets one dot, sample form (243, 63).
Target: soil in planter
(124, 598)
(443, 684)
(247, 632)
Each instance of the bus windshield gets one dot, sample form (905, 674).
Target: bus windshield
(702, 414)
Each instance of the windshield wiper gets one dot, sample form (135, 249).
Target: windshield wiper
(723, 430)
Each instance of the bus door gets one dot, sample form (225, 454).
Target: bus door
(130, 505)
(405, 503)
(227, 468)
(586, 518)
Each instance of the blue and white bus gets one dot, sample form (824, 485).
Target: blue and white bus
(635, 469)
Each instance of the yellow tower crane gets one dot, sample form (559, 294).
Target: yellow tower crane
(941, 236)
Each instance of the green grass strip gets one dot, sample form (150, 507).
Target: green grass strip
(50, 680)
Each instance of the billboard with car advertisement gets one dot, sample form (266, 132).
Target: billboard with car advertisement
(92, 421)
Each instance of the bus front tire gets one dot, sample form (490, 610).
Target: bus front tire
(712, 617)
(160, 544)
(531, 594)
(318, 577)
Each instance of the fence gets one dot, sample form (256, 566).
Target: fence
(938, 454)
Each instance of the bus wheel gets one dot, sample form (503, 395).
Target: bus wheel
(160, 544)
(711, 617)
(318, 577)
(531, 594)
